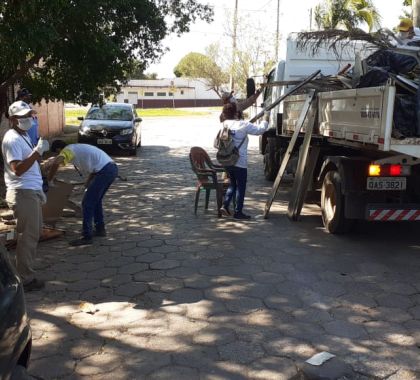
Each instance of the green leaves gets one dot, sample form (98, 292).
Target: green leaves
(76, 49)
(200, 66)
(347, 14)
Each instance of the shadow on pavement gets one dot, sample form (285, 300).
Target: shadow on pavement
(183, 296)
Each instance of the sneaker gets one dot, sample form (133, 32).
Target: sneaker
(225, 211)
(241, 216)
(81, 241)
(99, 233)
(35, 284)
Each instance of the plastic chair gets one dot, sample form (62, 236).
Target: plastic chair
(208, 175)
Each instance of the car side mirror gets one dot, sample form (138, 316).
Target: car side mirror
(81, 118)
(250, 87)
(138, 119)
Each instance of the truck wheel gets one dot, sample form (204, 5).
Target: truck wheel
(332, 205)
(271, 161)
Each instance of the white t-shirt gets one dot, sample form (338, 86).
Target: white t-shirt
(86, 158)
(240, 130)
(17, 147)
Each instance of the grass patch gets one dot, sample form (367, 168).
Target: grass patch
(72, 114)
(165, 112)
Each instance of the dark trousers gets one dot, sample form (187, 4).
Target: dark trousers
(237, 187)
(92, 200)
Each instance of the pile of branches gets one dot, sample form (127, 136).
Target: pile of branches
(336, 39)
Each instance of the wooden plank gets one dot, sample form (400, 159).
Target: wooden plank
(281, 98)
(288, 152)
(301, 182)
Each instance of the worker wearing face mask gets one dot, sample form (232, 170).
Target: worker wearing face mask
(407, 32)
(22, 175)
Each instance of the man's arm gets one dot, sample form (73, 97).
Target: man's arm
(59, 160)
(21, 167)
(256, 129)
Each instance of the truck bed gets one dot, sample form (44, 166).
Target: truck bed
(357, 117)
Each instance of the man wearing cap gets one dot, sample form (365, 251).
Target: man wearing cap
(407, 32)
(25, 95)
(24, 195)
(101, 172)
(228, 97)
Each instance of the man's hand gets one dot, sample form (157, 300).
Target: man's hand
(266, 116)
(42, 146)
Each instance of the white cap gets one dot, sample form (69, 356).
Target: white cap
(19, 108)
(226, 96)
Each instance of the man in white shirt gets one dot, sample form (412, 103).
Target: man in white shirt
(407, 32)
(24, 195)
(101, 171)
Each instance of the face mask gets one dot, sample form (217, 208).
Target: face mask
(25, 124)
(404, 35)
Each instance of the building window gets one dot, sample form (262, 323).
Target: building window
(148, 94)
(170, 94)
(161, 94)
(182, 92)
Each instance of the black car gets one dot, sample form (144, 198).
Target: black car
(15, 332)
(113, 126)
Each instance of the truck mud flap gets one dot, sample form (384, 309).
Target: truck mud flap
(393, 213)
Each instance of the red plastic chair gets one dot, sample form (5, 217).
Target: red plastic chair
(209, 175)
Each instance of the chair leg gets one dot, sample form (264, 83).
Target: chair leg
(197, 197)
(207, 198)
(219, 198)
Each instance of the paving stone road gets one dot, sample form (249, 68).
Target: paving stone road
(182, 297)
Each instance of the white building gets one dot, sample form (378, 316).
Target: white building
(168, 93)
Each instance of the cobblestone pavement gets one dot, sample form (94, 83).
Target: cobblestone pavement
(184, 297)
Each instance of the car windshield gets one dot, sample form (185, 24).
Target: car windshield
(110, 113)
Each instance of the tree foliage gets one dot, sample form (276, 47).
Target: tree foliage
(201, 66)
(76, 49)
(347, 14)
(254, 55)
(137, 71)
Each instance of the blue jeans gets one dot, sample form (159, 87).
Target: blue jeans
(237, 187)
(92, 200)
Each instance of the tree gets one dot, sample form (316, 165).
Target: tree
(348, 14)
(255, 51)
(136, 71)
(415, 5)
(75, 49)
(202, 67)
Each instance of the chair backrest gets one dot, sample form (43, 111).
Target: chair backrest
(199, 158)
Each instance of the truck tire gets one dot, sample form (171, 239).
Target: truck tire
(332, 205)
(271, 160)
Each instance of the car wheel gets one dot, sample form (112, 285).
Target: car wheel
(332, 205)
(133, 150)
(271, 160)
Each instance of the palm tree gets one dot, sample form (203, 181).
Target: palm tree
(347, 14)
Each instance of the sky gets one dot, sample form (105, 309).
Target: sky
(294, 17)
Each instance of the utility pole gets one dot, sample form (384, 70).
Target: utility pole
(277, 31)
(416, 12)
(235, 25)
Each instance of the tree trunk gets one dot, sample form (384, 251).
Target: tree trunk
(416, 12)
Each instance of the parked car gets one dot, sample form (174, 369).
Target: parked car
(113, 126)
(15, 332)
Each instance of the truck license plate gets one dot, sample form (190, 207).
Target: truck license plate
(104, 141)
(386, 183)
